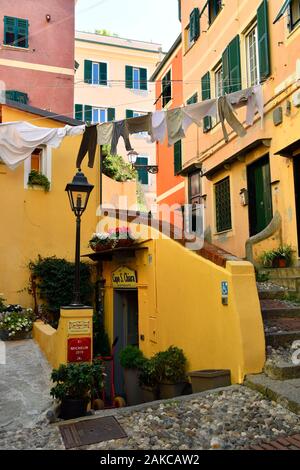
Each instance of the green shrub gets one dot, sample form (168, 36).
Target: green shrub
(17, 322)
(149, 374)
(54, 280)
(171, 365)
(115, 167)
(132, 358)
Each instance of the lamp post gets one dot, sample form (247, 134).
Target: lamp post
(132, 158)
(79, 193)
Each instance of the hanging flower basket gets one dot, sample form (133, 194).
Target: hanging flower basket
(115, 238)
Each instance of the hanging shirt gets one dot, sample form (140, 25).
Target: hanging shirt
(139, 124)
(226, 113)
(158, 127)
(174, 126)
(252, 98)
(195, 113)
(105, 132)
(19, 139)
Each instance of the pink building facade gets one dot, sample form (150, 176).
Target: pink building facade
(37, 53)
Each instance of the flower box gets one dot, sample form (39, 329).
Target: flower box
(21, 335)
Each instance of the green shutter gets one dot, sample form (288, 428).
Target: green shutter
(88, 65)
(129, 76)
(103, 73)
(88, 113)
(231, 65)
(206, 95)
(213, 10)
(143, 79)
(179, 10)
(263, 40)
(193, 99)
(142, 172)
(129, 113)
(79, 112)
(194, 24)
(177, 157)
(22, 26)
(10, 26)
(111, 114)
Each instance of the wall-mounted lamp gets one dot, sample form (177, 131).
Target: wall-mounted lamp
(244, 195)
(48, 18)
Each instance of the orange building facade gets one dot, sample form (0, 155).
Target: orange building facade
(169, 94)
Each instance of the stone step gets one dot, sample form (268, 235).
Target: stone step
(272, 293)
(278, 308)
(285, 338)
(291, 283)
(282, 371)
(281, 273)
(286, 393)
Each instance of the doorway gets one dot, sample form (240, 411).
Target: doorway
(260, 195)
(126, 328)
(297, 196)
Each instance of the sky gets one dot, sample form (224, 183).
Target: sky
(146, 20)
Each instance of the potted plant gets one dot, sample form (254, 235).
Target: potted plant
(100, 242)
(171, 370)
(36, 178)
(282, 257)
(132, 361)
(75, 385)
(16, 323)
(148, 380)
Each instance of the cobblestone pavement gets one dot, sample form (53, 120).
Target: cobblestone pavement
(236, 418)
(24, 386)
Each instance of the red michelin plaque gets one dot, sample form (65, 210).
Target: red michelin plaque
(79, 350)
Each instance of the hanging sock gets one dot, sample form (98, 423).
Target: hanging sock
(88, 145)
(19, 139)
(174, 126)
(139, 124)
(226, 113)
(158, 127)
(120, 130)
(105, 132)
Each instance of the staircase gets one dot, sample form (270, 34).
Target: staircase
(280, 380)
(285, 277)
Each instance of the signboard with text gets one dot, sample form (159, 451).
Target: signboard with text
(79, 327)
(124, 278)
(79, 350)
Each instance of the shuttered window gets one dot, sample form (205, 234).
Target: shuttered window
(194, 31)
(263, 41)
(88, 113)
(206, 95)
(294, 8)
(18, 96)
(79, 112)
(143, 175)
(177, 157)
(95, 73)
(129, 113)
(136, 78)
(193, 99)
(231, 67)
(214, 7)
(166, 89)
(15, 32)
(223, 205)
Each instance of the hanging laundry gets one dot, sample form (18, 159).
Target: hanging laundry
(19, 139)
(174, 126)
(88, 145)
(195, 113)
(158, 127)
(226, 112)
(120, 130)
(252, 98)
(105, 132)
(139, 124)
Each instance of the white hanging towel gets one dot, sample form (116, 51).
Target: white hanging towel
(159, 126)
(19, 139)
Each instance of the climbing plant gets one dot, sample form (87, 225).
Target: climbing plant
(115, 167)
(53, 281)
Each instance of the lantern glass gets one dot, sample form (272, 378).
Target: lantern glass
(132, 157)
(79, 193)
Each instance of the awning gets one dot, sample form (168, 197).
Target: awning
(239, 156)
(282, 10)
(290, 150)
(107, 255)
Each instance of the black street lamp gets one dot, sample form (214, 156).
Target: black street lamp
(79, 193)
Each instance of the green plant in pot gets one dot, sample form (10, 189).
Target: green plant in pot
(281, 257)
(132, 361)
(75, 384)
(149, 380)
(171, 372)
(16, 323)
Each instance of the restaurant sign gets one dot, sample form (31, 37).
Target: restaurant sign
(124, 278)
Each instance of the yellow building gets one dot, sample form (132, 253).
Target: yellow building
(251, 185)
(112, 83)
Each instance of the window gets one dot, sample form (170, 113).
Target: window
(143, 175)
(177, 157)
(36, 160)
(136, 78)
(223, 205)
(166, 89)
(252, 57)
(194, 27)
(18, 96)
(193, 99)
(41, 161)
(231, 67)
(15, 32)
(99, 115)
(206, 95)
(294, 13)
(95, 73)
(214, 8)
(218, 82)
(195, 198)
(87, 113)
